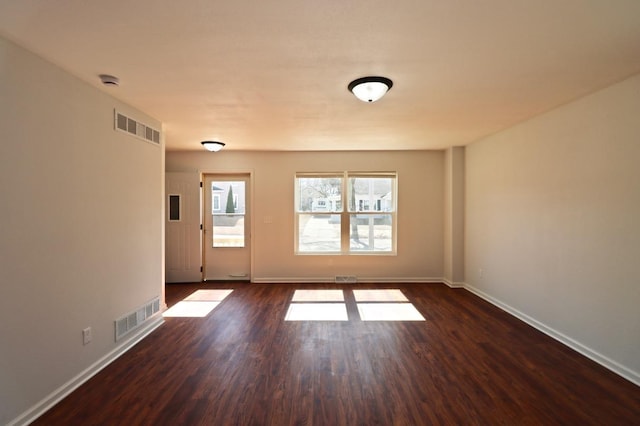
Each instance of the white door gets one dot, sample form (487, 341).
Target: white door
(227, 226)
(183, 257)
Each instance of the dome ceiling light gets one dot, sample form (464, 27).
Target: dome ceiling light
(213, 146)
(370, 89)
(109, 80)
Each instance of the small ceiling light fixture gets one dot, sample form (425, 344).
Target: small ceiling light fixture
(370, 89)
(109, 80)
(213, 146)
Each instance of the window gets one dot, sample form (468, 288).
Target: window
(367, 226)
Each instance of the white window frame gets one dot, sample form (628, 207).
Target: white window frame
(345, 213)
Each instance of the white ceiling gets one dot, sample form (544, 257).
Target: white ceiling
(273, 74)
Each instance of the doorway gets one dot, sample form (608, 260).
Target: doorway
(227, 227)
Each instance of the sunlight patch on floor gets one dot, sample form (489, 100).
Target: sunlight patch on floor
(318, 296)
(209, 295)
(198, 304)
(389, 312)
(317, 312)
(190, 309)
(382, 295)
(372, 304)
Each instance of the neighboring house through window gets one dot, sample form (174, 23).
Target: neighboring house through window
(216, 194)
(366, 226)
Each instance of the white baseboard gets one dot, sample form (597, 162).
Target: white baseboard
(57, 395)
(294, 280)
(64, 390)
(408, 280)
(330, 280)
(452, 284)
(619, 369)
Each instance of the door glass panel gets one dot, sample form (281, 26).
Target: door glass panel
(228, 211)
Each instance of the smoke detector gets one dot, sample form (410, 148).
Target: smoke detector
(109, 80)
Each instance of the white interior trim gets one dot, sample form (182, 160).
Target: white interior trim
(606, 362)
(59, 394)
(310, 280)
(453, 284)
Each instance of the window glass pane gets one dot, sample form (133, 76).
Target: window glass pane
(228, 210)
(368, 194)
(370, 232)
(174, 208)
(319, 194)
(364, 202)
(318, 233)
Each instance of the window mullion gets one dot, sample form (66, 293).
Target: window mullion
(370, 212)
(344, 218)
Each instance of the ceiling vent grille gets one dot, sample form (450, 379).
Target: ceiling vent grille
(129, 322)
(133, 127)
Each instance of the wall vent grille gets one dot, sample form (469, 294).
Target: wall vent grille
(128, 125)
(346, 279)
(129, 322)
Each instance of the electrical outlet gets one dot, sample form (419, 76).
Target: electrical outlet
(480, 273)
(86, 336)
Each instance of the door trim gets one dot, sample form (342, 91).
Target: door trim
(230, 172)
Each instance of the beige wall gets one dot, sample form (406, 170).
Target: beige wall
(553, 206)
(420, 211)
(454, 216)
(81, 229)
(551, 229)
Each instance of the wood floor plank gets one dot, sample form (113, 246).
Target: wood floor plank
(468, 363)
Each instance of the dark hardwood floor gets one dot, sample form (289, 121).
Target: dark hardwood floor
(469, 363)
